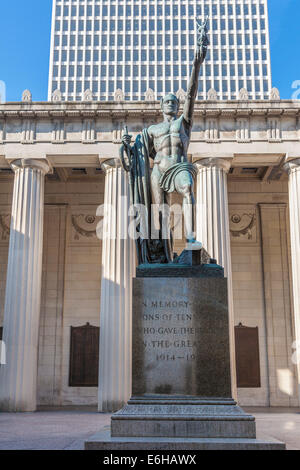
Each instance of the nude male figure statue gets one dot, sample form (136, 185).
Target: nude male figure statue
(167, 142)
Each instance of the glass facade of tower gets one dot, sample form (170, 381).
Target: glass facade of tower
(136, 45)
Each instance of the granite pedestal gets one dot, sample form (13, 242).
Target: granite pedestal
(181, 387)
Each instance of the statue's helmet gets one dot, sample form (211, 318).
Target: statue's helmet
(169, 96)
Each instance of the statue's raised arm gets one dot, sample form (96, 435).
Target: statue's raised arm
(200, 54)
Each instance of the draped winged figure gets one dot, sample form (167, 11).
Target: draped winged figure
(167, 144)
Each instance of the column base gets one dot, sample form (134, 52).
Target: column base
(9, 406)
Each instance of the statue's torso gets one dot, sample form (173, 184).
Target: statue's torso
(170, 141)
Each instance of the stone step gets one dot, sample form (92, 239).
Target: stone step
(104, 441)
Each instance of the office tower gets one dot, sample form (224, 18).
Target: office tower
(137, 45)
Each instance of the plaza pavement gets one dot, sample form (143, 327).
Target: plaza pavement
(67, 428)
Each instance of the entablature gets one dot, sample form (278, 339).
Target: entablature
(75, 134)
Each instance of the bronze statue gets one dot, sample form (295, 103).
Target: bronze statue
(167, 144)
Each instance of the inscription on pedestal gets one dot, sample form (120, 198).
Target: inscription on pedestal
(180, 337)
(170, 335)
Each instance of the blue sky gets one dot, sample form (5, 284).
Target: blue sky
(25, 43)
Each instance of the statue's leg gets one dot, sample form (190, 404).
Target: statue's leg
(184, 185)
(166, 227)
(162, 211)
(157, 197)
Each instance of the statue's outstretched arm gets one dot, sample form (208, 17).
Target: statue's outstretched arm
(192, 90)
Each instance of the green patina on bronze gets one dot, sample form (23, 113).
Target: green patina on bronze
(167, 144)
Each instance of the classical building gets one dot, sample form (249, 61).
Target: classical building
(137, 49)
(59, 282)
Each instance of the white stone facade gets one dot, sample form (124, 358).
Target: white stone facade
(70, 142)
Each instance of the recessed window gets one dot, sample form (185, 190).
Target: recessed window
(84, 356)
(79, 171)
(249, 171)
(247, 357)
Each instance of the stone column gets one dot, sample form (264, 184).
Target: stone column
(18, 377)
(293, 169)
(118, 265)
(212, 228)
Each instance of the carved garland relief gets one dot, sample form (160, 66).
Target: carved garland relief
(83, 225)
(243, 224)
(4, 227)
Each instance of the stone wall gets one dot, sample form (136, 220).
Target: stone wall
(6, 188)
(71, 281)
(261, 285)
(51, 319)
(82, 273)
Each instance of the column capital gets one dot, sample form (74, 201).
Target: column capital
(110, 164)
(34, 164)
(214, 162)
(292, 165)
